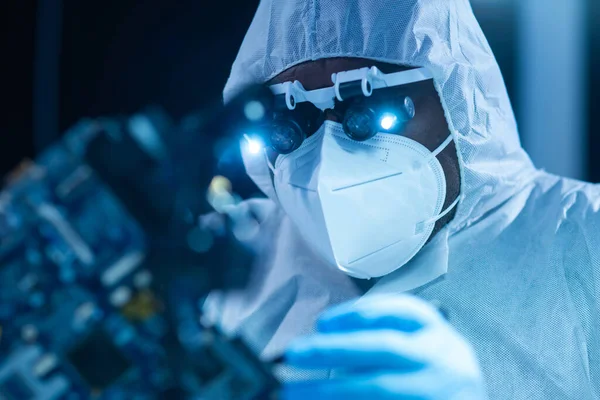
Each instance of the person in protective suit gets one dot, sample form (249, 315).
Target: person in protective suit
(449, 209)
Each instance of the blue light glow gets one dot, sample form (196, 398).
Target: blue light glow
(254, 110)
(254, 145)
(387, 121)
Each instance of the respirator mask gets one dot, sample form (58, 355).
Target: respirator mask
(365, 197)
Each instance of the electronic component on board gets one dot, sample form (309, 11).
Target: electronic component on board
(98, 360)
(25, 376)
(91, 235)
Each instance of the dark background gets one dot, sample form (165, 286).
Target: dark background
(119, 56)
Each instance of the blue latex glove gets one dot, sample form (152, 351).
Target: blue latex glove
(392, 347)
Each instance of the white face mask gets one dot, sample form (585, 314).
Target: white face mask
(367, 207)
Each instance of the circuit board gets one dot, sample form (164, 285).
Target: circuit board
(78, 317)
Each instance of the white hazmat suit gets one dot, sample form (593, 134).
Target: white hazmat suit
(518, 268)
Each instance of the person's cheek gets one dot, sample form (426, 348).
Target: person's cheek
(417, 128)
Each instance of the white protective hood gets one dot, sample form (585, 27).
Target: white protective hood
(441, 35)
(520, 260)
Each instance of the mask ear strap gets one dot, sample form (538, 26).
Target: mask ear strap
(269, 163)
(275, 196)
(421, 225)
(442, 146)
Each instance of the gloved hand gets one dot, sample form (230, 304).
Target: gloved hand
(386, 347)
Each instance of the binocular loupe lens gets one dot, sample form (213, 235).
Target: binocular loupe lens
(360, 123)
(286, 136)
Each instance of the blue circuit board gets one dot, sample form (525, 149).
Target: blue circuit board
(78, 316)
